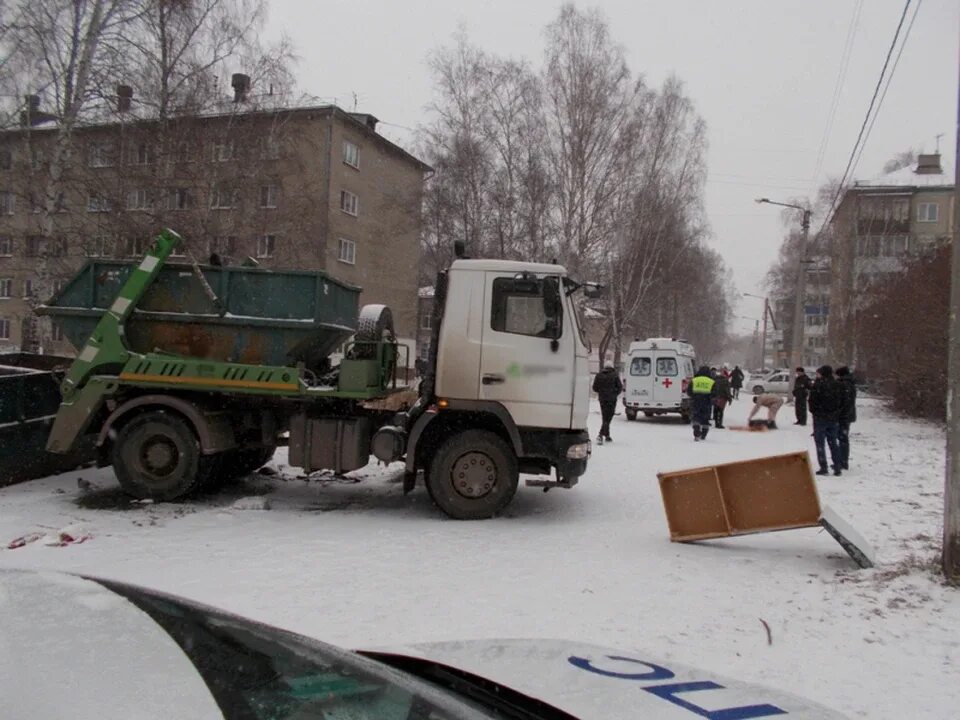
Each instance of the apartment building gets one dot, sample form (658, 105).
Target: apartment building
(878, 225)
(307, 187)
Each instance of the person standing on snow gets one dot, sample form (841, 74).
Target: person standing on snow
(848, 414)
(736, 381)
(801, 390)
(608, 387)
(826, 403)
(700, 390)
(721, 396)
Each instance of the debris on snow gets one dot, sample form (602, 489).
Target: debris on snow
(256, 502)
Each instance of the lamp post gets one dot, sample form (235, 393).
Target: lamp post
(763, 339)
(796, 351)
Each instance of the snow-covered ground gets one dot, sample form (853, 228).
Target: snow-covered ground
(360, 564)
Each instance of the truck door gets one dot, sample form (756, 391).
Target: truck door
(667, 381)
(528, 352)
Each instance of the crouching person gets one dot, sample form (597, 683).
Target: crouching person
(701, 391)
(772, 403)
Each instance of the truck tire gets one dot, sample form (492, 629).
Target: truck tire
(157, 456)
(473, 475)
(631, 414)
(374, 324)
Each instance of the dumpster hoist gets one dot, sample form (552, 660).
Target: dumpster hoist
(190, 376)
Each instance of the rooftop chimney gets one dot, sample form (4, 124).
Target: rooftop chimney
(929, 164)
(241, 86)
(124, 98)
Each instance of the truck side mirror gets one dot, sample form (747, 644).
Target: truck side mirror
(592, 292)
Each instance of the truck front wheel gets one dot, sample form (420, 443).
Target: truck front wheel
(473, 476)
(157, 456)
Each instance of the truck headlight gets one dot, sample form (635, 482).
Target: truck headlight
(579, 451)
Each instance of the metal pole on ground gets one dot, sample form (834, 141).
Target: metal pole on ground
(951, 494)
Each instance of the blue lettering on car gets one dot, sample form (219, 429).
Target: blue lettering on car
(670, 691)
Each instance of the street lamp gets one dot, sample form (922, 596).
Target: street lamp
(798, 315)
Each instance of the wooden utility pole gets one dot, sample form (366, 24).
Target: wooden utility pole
(951, 494)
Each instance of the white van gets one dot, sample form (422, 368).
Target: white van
(657, 373)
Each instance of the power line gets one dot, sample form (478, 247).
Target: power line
(838, 87)
(893, 70)
(866, 120)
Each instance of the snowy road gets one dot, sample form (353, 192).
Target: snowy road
(360, 564)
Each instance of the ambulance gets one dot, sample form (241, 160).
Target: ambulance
(657, 373)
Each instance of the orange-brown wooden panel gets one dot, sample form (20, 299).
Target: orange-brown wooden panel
(693, 504)
(774, 493)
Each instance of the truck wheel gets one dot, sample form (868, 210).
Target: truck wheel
(473, 475)
(157, 456)
(631, 414)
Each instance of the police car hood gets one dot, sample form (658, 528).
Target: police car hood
(590, 682)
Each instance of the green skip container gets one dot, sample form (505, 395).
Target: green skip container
(258, 316)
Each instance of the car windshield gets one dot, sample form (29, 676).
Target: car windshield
(256, 672)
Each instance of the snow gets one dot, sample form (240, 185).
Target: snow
(361, 565)
(909, 177)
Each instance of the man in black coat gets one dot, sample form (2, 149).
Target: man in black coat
(826, 403)
(608, 387)
(736, 381)
(801, 389)
(848, 414)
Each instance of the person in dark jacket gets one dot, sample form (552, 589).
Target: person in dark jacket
(608, 387)
(736, 381)
(826, 404)
(701, 390)
(801, 390)
(721, 396)
(848, 414)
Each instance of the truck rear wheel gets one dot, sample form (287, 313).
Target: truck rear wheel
(473, 476)
(157, 456)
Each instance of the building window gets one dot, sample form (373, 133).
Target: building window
(141, 155)
(223, 198)
(269, 148)
(928, 212)
(6, 159)
(32, 247)
(182, 153)
(97, 246)
(348, 251)
(349, 202)
(97, 203)
(6, 287)
(351, 154)
(101, 155)
(36, 159)
(426, 321)
(179, 199)
(425, 350)
(6, 246)
(266, 246)
(7, 203)
(138, 199)
(57, 334)
(57, 247)
(268, 196)
(134, 246)
(223, 150)
(4, 329)
(28, 290)
(222, 245)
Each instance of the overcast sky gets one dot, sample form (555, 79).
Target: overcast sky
(761, 72)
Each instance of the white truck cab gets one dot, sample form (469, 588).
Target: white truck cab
(657, 373)
(507, 387)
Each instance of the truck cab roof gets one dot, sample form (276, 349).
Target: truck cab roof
(508, 266)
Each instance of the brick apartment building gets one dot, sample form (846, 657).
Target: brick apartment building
(878, 225)
(306, 187)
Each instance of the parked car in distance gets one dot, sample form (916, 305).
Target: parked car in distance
(779, 382)
(91, 649)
